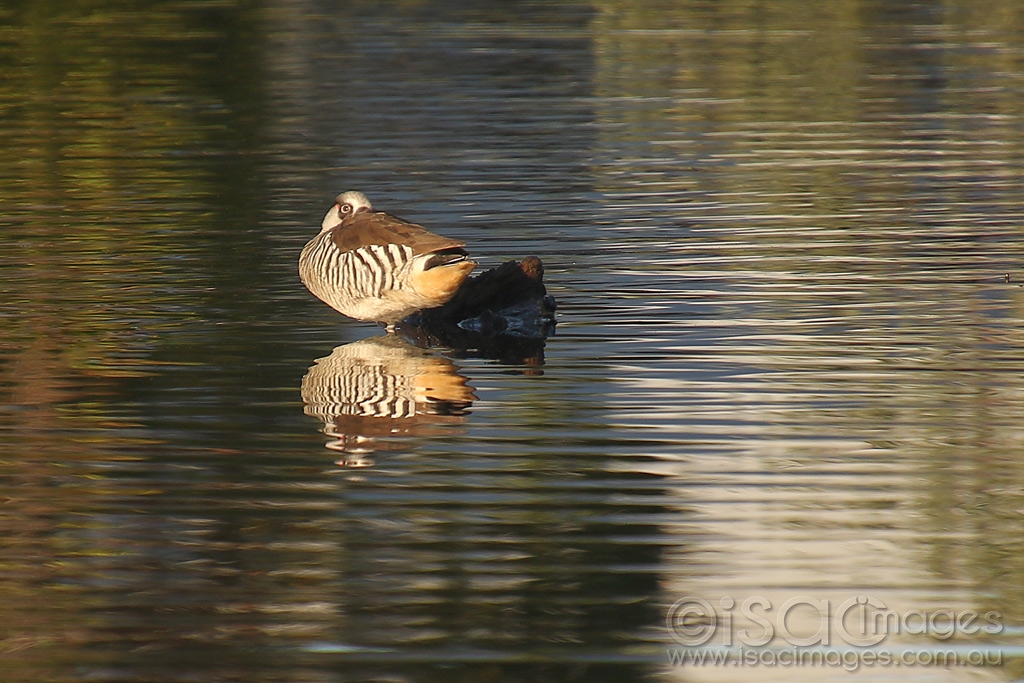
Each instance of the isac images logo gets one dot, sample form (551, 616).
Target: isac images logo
(859, 631)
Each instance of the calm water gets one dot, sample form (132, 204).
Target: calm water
(787, 247)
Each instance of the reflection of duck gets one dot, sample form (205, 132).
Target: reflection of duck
(382, 387)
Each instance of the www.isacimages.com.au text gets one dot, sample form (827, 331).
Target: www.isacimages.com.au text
(850, 660)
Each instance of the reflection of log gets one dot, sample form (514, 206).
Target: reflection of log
(502, 313)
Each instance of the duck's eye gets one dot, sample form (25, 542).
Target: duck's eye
(345, 208)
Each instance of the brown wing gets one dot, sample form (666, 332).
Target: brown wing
(377, 227)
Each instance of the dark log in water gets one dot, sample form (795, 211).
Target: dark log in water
(503, 313)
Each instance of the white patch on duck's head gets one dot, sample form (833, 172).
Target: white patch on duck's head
(345, 204)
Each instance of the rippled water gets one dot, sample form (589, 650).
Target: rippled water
(789, 364)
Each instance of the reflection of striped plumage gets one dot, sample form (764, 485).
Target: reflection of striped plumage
(349, 383)
(370, 265)
(383, 387)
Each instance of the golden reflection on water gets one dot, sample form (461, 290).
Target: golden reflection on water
(371, 393)
(834, 210)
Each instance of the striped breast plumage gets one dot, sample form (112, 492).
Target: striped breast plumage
(370, 265)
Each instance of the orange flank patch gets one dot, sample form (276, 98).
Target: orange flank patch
(439, 284)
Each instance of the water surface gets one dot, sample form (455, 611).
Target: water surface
(786, 246)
